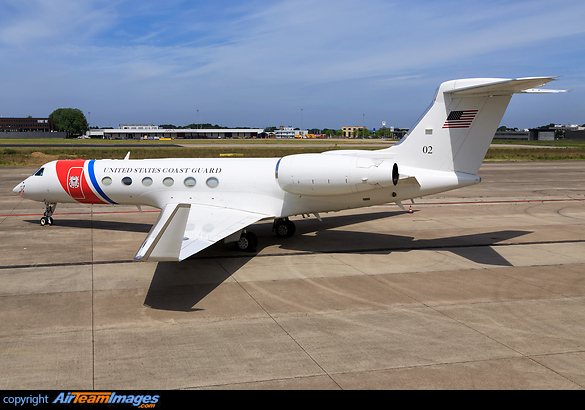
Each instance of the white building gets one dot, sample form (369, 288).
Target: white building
(158, 133)
(137, 127)
(289, 132)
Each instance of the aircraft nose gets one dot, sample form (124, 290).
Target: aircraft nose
(17, 189)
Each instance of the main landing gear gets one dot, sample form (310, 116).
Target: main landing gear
(248, 241)
(284, 228)
(47, 218)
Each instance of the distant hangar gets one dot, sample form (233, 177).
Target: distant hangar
(151, 132)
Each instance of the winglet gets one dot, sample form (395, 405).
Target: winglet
(166, 236)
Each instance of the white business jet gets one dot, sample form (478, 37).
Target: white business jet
(203, 201)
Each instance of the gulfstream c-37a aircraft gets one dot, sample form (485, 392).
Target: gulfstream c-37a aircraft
(203, 201)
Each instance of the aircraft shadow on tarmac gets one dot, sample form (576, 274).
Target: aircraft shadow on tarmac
(180, 286)
(103, 225)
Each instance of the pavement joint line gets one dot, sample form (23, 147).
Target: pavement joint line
(317, 252)
(64, 264)
(92, 308)
(288, 334)
(11, 212)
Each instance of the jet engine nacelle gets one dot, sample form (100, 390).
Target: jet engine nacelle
(324, 175)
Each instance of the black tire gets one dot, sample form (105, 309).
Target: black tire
(285, 229)
(43, 221)
(49, 220)
(247, 242)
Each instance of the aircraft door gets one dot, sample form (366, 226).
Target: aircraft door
(74, 180)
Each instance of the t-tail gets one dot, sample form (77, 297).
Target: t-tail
(457, 129)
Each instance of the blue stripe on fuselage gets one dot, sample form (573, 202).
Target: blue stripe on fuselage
(91, 170)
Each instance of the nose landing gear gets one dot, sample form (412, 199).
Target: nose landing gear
(47, 218)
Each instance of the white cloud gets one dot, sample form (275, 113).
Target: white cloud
(41, 22)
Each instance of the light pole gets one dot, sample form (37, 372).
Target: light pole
(301, 120)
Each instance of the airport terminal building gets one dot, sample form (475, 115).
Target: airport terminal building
(151, 132)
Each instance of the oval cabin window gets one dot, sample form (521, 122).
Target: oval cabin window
(212, 182)
(190, 182)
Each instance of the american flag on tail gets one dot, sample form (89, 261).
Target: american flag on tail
(460, 119)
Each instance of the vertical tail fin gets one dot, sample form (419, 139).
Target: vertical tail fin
(456, 131)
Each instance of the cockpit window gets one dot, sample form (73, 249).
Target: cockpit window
(39, 172)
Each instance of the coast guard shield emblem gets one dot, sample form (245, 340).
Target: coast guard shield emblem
(74, 181)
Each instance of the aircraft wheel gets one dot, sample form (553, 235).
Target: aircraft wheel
(285, 228)
(247, 242)
(46, 220)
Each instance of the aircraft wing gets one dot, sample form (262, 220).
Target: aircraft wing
(183, 230)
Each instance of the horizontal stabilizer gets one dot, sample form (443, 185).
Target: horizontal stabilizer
(501, 87)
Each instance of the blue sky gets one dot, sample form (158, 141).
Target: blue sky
(260, 63)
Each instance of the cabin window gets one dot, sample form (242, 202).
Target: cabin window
(190, 182)
(39, 172)
(147, 181)
(212, 182)
(168, 181)
(127, 181)
(107, 181)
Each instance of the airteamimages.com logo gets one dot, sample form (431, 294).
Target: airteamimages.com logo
(142, 401)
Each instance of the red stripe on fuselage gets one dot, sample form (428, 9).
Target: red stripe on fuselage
(73, 179)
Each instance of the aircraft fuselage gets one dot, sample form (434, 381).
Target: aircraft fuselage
(278, 187)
